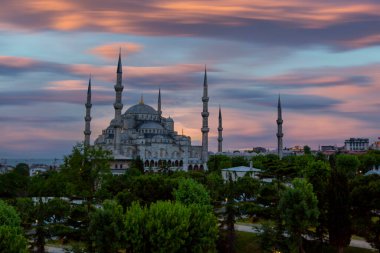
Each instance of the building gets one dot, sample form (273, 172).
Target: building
(356, 144)
(376, 145)
(238, 172)
(328, 148)
(142, 132)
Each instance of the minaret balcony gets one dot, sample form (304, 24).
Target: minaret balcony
(279, 121)
(118, 88)
(205, 114)
(87, 118)
(205, 129)
(205, 99)
(280, 135)
(118, 106)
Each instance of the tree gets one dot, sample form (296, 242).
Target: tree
(11, 238)
(136, 236)
(299, 209)
(347, 164)
(365, 199)
(306, 150)
(218, 162)
(191, 192)
(106, 225)
(14, 183)
(170, 227)
(339, 222)
(214, 185)
(247, 188)
(318, 174)
(85, 169)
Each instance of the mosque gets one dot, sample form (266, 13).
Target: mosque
(142, 132)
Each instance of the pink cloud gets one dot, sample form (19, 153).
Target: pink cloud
(133, 17)
(110, 51)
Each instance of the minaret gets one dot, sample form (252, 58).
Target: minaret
(159, 103)
(87, 118)
(205, 115)
(220, 130)
(117, 123)
(279, 128)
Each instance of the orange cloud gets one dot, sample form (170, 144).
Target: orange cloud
(110, 51)
(20, 62)
(130, 17)
(362, 42)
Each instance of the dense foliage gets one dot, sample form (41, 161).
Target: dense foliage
(84, 205)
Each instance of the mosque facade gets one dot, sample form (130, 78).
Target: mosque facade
(142, 132)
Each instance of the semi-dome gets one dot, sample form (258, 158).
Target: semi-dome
(141, 109)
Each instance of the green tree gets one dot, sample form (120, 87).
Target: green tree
(85, 169)
(203, 230)
(218, 162)
(339, 222)
(136, 236)
(14, 183)
(106, 225)
(247, 188)
(365, 198)
(306, 150)
(318, 174)
(11, 238)
(170, 227)
(215, 185)
(347, 164)
(191, 192)
(299, 209)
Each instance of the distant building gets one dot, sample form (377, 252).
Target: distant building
(259, 149)
(356, 144)
(237, 153)
(238, 172)
(376, 145)
(375, 170)
(328, 148)
(36, 169)
(5, 168)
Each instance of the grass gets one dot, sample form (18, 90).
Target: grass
(247, 242)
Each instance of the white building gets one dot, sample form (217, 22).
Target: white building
(356, 144)
(237, 172)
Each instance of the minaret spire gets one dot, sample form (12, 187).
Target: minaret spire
(119, 65)
(159, 103)
(220, 132)
(87, 118)
(118, 105)
(205, 115)
(279, 128)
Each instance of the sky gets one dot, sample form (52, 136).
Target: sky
(323, 57)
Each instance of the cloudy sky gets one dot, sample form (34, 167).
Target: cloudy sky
(322, 57)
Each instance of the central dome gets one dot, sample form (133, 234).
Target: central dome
(141, 109)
